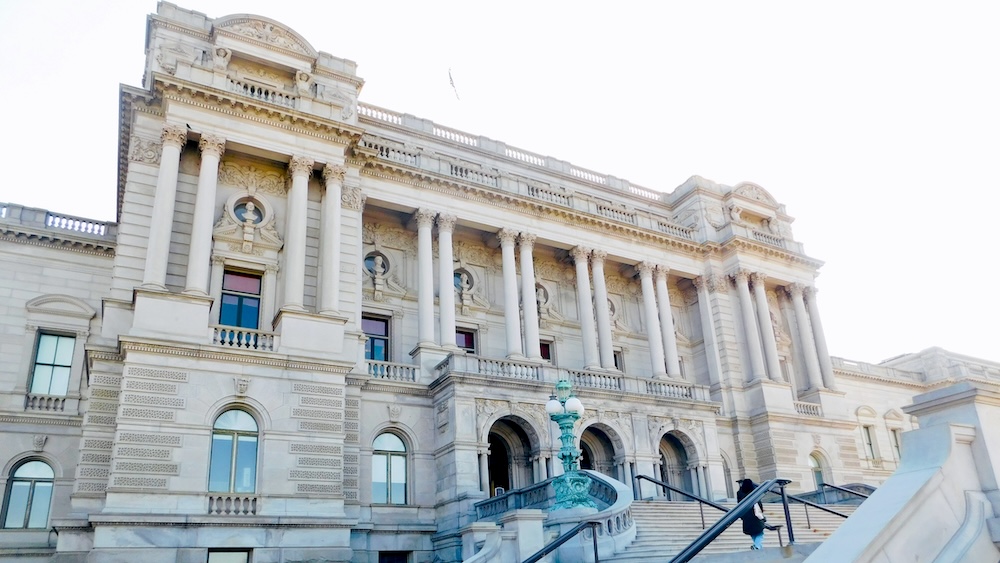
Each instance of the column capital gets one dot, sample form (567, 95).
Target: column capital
(424, 218)
(598, 256)
(661, 273)
(173, 134)
(352, 198)
(334, 173)
(718, 284)
(741, 276)
(508, 237)
(795, 290)
(700, 283)
(810, 292)
(300, 166)
(446, 222)
(758, 278)
(212, 144)
(579, 253)
(526, 240)
(645, 269)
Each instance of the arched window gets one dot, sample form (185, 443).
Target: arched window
(388, 470)
(816, 468)
(234, 453)
(29, 495)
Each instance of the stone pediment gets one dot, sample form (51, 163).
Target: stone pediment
(62, 305)
(755, 192)
(266, 31)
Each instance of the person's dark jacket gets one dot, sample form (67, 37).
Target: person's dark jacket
(752, 526)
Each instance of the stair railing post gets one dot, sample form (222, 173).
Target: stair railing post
(593, 534)
(808, 523)
(788, 515)
(701, 509)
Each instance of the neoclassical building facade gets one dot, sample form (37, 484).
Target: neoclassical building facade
(321, 330)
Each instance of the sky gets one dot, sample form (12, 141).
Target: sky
(875, 123)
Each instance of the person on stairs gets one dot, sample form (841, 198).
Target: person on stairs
(753, 519)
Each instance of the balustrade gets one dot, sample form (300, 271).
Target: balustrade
(616, 213)
(675, 230)
(595, 380)
(473, 175)
(75, 224)
(380, 114)
(550, 196)
(392, 371)
(669, 389)
(588, 175)
(525, 156)
(229, 505)
(808, 409)
(261, 92)
(457, 136)
(509, 368)
(46, 403)
(768, 239)
(244, 338)
(391, 153)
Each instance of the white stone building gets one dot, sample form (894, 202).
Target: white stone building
(322, 331)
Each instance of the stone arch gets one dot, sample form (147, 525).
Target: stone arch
(26, 456)
(513, 444)
(865, 411)
(405, 433)
(677, 452)
(255, 408)
(265, 30)
(62, 305)
(601, 447)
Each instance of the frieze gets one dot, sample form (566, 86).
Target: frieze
(268, 33)
(352, 198)
(252, 179)
(147, 151)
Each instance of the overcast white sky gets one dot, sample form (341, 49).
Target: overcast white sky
(875, 123)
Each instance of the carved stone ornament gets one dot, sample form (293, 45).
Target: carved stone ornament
(144, 150)
(212, 144)
(446, 222)
(38, 442)
(352, 198)
(507, 237)
(300, 166)
(424, 218)
(221, 57)
(242, 385)
(267, 32)
(718, 284)
(579, 253)
(334, 173)
(174, 134)
(527, 240)
(645, 269)
(252, 179)
(394, 412)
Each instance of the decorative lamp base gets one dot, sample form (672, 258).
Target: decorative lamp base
(572, 491)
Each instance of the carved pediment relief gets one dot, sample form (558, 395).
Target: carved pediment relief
(753, 191)
(247, 227)
(266, 31)
(252, 179)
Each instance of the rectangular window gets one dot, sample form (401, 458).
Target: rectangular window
(897, 439)
(619, 356)
(240, 300)
(869, 432)
(393, 557)
(228, 556)
(546, 348)
(53, 360)
(466, 340)
(377, 331)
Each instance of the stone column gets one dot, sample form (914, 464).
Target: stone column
(512, 316)
(200, 249)
(585, 303)
(806, 337)
(825, 365)
(604, 342)
(446, 279)
(766, 328)
(750, 325)
(215, 287)
(652, 318)
(295, 233)
(161, 222)
(703, 284)
(532, 349)
(269, 288)
(329, 263)
(667, 322)
(484, 472)
(425, 277)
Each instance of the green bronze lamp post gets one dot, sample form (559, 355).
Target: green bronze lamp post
(572, 487)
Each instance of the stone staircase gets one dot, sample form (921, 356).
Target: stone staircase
(664, 528)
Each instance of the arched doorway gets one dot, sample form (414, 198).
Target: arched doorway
(510, 455)
(598, 451)
(816, 468)
(674, 466)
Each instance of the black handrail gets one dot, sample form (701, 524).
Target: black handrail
(843, 490)
(570, 534)
(814, 505)
(687, 494)
(727, 520)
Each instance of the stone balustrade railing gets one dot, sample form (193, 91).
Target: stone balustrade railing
(392, 371)
(233, 505)
(44, 403)
(848, 366)
(261, 92)
(244, 338)
(809, 409)
(596, 380)
(58, 224)
(769, 239)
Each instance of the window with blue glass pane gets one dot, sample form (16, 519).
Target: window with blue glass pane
(29, 496)
(240, 300)
(377, 331)
(233, 467)
(53, 361)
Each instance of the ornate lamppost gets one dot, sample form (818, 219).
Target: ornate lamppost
(572, 487)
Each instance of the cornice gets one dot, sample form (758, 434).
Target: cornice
(30, 238)
(802, 420)
(381, 385)
(63, 420)
(127, 102)
(132, 345)
(737, 244)
(155, 20)
(881, 379)
(229, 103)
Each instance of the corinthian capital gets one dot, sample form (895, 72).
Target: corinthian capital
(661, 273)
(526, 240)
(446, 222)
(718, 284)
(598, 256)
(212, 144)
(425, 218)
(300, 166)
(174, 134)
(580, 253)
(645, 269)
(334, 173)
(795, 290)
(507, 236)
(741, 276)
(810, 292)
(758, 278)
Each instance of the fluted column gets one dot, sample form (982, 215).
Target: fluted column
(162, 220)
(532, 349)
(425, 277)
(604, 342)
(584, 301)
(806, 337)
(198, 265)
(742, 278)
(446, 279)
(825, 365)
(667, 322)
(294, 268)
(703, 284)
(329, 263)
(766, 328)
(512, 317)
(652, 318)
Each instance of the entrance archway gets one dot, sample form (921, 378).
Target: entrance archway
(674, 466)
(598, 451)
(510, 455)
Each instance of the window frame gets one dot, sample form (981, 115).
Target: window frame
(387, 319)
(474, 333)
(234, 453)
(39, 335)
(240, 295)
(389, 455)
(247, 552)
(30, 499)
(869, 441)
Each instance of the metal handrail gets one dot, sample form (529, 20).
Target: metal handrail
(684, 493)
(570, 534)
(709, 535)
(843, 490)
